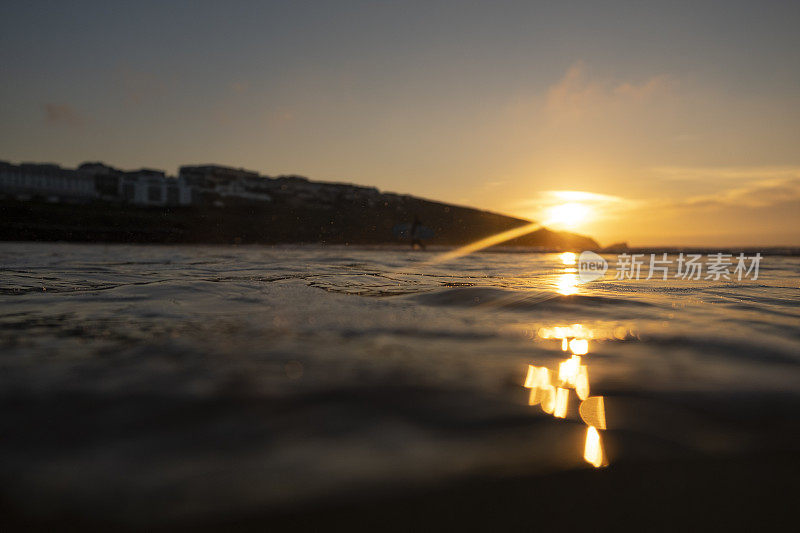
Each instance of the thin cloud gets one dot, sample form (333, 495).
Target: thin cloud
(550, 198)
(138, 87)
(752, 187)
(764, 193)
(578, 94)
(279, 116)
(240, 87)
(603, 205)
(59, 114)
(726, 173)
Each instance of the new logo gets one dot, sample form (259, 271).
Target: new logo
(591, 266)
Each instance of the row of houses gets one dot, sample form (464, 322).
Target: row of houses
(145, 187)
(194, 185)
(50, 181)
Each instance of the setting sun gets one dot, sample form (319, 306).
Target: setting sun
(569, 215)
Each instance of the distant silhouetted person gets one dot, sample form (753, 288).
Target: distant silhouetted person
(415, 233)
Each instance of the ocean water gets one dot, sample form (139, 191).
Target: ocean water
(157, 383)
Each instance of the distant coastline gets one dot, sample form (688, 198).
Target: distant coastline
(212, 204)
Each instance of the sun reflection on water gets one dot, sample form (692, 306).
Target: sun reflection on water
(551, 390)
(567, 281)
(568, 258)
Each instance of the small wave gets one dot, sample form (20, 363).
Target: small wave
(522, 300)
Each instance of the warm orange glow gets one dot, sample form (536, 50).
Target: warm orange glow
(560, 409)
(530, 378)
(593, 451)
(538, 380)
(569, 215)
(582, 383)
(535, 396)
(553, 396)
(567, 283)
(579, 346)
(578, 331)
(593, 412)
(567, 332)
(568, 370)
(568, 258)
(544, 377)
(548, 399)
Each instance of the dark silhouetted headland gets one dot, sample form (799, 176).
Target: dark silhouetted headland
(216, 204)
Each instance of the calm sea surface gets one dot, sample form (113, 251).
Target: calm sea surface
(180, 381)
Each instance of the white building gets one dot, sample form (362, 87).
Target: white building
(224, 182)
(145, 187)
(46, 182)
(152, 187)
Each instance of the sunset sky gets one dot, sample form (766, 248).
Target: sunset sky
(665, 123)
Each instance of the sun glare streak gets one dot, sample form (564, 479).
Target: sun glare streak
(486, 243)
(568, 215)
